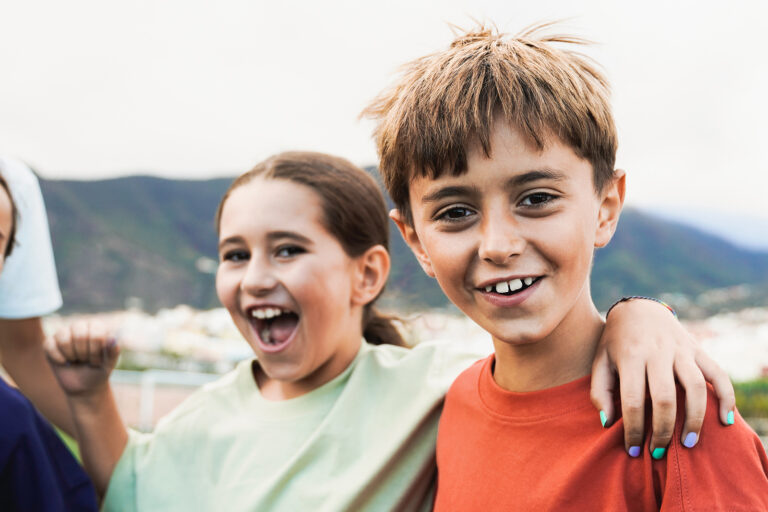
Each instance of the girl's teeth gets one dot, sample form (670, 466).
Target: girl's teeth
(502, 287)
(515, 285)
(489, 288)
(528, 281)
(266, 313)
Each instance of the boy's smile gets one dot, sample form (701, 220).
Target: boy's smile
(510, 241)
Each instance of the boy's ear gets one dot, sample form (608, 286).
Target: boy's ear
(610, 208)
(412, 239)
(373, 271)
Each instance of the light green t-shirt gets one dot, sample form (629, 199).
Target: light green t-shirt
(363, 441)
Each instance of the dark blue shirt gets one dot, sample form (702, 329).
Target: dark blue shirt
(37, 471)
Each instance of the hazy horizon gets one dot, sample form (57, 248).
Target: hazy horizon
(189, 89)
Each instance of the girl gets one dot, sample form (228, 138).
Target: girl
(37, 471)
(333, 413)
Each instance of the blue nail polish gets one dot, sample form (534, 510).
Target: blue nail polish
(634, 451)
(603, 418)
(690, 440)
(658, 453)
(729, 419)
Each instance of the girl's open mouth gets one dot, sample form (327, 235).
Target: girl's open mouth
(274, 326)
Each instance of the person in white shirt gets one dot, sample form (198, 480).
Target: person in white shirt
(29, 290)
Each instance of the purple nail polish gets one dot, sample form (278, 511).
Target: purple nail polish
(634, 451)
(690, 440)
(112, 341)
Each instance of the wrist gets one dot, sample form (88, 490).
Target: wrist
(93, 399)
(643, 298)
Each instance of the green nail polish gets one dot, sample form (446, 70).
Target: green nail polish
(729, 419)
(603, 418)
(658, 453)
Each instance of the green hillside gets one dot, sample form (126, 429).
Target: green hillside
(143, 237)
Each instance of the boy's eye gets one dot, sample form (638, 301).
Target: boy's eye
(455, 213)
(287, 251)
(537, 199)
(235, 255)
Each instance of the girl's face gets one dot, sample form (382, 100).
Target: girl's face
(6, 223)
(288, 285)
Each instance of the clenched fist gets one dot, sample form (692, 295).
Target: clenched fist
(82, 356)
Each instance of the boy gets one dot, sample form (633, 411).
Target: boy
(499, 155)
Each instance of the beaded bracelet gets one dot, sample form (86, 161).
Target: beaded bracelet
(624, 299)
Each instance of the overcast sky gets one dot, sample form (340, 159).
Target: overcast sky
(194, 89)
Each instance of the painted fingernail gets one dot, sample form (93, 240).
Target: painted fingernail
(690, 440)
(603, 418)
(634, 451)
(658, 453)
(112, 341)
(729, 419)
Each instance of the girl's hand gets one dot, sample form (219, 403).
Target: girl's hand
(82, 357)
(643, 338)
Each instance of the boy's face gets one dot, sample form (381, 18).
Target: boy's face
(6, 222)
(510, 241)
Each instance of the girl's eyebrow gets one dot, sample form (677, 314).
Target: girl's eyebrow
(230, 240)
(275, 235)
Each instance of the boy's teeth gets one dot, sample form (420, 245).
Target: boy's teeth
(515, 285)
(502, 287)
(528, 281)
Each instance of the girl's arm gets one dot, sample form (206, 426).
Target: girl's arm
(643, 339)
(82, 357)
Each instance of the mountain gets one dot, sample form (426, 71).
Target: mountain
(151, 241)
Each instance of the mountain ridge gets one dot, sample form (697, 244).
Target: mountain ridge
(143, 237)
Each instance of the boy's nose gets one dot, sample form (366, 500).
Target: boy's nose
(501, 240)
(258, 279)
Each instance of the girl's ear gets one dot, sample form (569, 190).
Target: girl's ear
(610, 208)
(412, 239)
(373, 271)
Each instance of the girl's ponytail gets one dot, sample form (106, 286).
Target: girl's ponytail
(380, 329)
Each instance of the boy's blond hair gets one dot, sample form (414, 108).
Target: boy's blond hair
(447, 101)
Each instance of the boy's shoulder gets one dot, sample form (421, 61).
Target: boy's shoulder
(726, 470)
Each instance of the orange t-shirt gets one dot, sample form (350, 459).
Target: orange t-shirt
(546, 450)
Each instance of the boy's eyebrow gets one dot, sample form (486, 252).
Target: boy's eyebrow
(452, 191)
(536, 175)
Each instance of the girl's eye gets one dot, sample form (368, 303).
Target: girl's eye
(287, 251)
(455, 213)
(235, 255)
(537, 199)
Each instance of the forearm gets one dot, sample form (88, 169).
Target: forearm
(101, 434)
(23, 357)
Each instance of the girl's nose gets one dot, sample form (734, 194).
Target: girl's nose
(259, 279)
(501, 239)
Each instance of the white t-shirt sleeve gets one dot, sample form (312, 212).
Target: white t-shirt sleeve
(28, 283)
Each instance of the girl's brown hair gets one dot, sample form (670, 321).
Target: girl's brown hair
(354, 212)
(14, 215)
